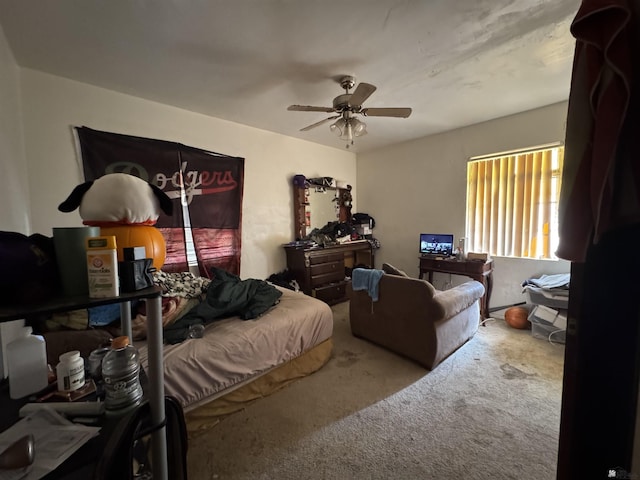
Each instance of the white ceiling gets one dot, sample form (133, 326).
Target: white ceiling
(455, 62)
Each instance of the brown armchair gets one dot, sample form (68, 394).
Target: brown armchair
(414, 319)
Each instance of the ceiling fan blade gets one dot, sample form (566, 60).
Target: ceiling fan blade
(386, 112)
(361, 93)
(309, 108)
(317, 124)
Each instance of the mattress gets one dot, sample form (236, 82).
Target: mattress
(201, 419)
(233, 352)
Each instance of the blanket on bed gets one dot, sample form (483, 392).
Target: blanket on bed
(227, 295)
(558, 280)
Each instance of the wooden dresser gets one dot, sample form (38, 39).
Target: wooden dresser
(322, 271)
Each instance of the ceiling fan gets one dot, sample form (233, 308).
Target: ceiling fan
(346, 107)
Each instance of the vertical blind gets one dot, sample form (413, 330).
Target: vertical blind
(512, 203)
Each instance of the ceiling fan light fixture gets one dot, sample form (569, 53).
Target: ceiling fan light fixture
(359, 128)
(338, 127)
(347, 134)
(348, 128)
(346, 107)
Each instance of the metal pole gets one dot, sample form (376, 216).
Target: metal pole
(125, 320)
(156, 387)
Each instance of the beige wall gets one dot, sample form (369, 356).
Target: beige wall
(413, 187)
(14, 195)
(420, 186)
(53, 105)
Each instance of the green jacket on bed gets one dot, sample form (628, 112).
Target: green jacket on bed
(227, 295)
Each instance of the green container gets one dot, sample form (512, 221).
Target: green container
(71, 257)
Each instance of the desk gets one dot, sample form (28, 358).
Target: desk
(480, 271)
(154, 341)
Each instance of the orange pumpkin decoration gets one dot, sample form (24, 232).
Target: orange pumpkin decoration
(517, 317)
(139, 236)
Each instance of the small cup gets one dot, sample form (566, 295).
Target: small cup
(95, 362)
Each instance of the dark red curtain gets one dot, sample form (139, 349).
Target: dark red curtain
(211, 185)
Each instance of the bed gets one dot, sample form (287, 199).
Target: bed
(237, 361)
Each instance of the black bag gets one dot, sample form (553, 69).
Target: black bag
(136, 274)
(363, 219)
(127, 454)
(30, 270)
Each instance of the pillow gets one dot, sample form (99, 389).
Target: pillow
(391, 270)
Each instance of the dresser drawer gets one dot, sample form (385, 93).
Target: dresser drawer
(330, 293)
(318, 258)
(330, 277)
(323, 268)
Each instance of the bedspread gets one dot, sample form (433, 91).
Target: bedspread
(234, 351)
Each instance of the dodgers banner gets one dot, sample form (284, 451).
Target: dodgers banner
(207, 189)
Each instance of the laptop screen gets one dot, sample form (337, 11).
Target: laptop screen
(436, 244)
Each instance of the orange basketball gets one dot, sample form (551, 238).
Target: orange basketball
(139, 236)
(516, 317)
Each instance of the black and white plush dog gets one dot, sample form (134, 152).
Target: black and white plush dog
(118, 199)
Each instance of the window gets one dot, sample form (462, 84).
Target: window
(512, 203)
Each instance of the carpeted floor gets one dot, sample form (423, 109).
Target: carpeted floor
(491, 410)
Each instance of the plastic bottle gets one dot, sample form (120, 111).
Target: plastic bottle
(70, 371)
(121, 375)
(461, 248)
(102, 267)
(27, 360)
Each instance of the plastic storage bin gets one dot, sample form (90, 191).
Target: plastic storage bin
(548, 332)
(548, 323)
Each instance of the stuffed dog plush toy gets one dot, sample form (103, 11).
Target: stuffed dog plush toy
(118, 199)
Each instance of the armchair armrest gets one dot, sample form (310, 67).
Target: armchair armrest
(458, 298)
